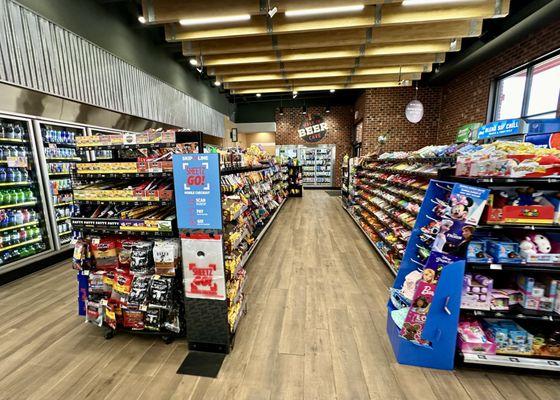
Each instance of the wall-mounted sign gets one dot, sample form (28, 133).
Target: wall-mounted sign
(414, 111)
(313, 128)
(468, 133)
(539, 126)
(197, 191)
(506, 127)
(545, 140)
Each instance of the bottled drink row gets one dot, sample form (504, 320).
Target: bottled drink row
(60, 152)
(16, 196)
(11, 131)
(12, 151)
(59, 136)
(17, 217)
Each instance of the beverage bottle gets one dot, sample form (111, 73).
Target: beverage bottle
(24, 175)
(29, 196)
(9, 197)
(15, 254)
(18, 132)
(2, 197)
(10, 175)
(25, 215)
(6, 239)
(1, 153)
(9, 131)
(12, 152)
(33, 215)
(11, 218)
(16, 175)
(2, 217)
(6, 257)
(19, 217)
(2, 131)
(20, 195)
(15, 237)
(23, 235)
(3, 175)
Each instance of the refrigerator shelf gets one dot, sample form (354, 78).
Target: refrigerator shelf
(15, 184)
(14, 227)
(19, 205)
(14, 246)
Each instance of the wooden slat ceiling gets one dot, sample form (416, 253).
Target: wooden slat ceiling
(386, 43)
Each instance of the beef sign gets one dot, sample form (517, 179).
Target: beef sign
(312, 128)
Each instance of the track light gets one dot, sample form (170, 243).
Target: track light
(324, 10)
(328, 109)
(193, 62)
(304, 110)
(281, 111)
(332, 90)
(258, 95)
(217, 83)
(214, 20)
(294, 94)
(142, 19)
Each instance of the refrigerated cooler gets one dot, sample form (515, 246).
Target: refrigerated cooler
(25, 228)
(317, 161)
(56, 145)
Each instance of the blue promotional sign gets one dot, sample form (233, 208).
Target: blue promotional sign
(540, 126)
(506, 127)
(547, 140)
(197, 191)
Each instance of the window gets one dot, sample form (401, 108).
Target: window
(530, 92)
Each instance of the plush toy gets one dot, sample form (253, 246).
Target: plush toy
(542, 244)
(527, 197)
(500, 199)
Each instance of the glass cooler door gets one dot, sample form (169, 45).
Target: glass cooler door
(56, 145)
(25, 234)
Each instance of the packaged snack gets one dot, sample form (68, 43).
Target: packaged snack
(80, 257)
(166, 257)
(133, 319)
(104, 251)
(152, 319)
(172, 322)
(124, 247)
(95, 282)
(110, 316)
(94, 313)
(108, 281)
(159, 294)
(121, 287)
(139, 291)
(141, 258)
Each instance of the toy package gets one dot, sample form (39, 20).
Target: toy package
(540, 248)
(425, 290)
(473, 339)
(520, 205)
(477, 292)
(510, 338)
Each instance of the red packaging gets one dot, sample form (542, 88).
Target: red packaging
(104, 251)
(133, 319)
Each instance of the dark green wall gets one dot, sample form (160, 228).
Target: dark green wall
(94, 22)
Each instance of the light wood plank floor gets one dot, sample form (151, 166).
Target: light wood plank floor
(315, 330)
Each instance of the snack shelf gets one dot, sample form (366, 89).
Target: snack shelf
(242, 312)
(125, 202)
(379, 232)
(19, 205)
(515, 312)
(13, 227)
(156, 145)
(506, 181)
(236, 170)
(240, 290)
(109, 231)
(392, 190)
(530, 227)
(428, 175)
(387, 213)
(521, 267)
(15, 184)
(393, 203)
(102, 175)
(60, 173)
(237, 214)
(379, 252)
(515, 361)
(389, 182)
(14, 246)
(125, 226)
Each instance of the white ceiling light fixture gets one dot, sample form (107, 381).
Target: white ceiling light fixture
(324, 10)
(294, 94)
(193, 62)
(217, 83)
(214, 20)
(259, 95)
(424, 2)
(332, 90)
(142, 19)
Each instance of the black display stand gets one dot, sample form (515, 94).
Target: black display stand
(295, 186)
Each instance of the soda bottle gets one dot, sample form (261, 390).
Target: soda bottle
(9, 197)
(10, 216)
(2, 132)
(12, 152)
(24, 175)
(18, 132)
(22, 235)
(15, 254)
(3, 175)
(10, 175)
(32, 215)
(15, 237)
(19, 217)
(25, 216)
(6, 239)
(9, 131)
(16, 175)
(29, 196)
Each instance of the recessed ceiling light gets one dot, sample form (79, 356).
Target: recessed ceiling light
(304, 110)
(214, 20)
(328, 109)
(141, 19)
(324, 10)
(258, 95)
(193, 62)
(332, 90)
(217, 83)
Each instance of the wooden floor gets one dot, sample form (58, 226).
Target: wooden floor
(315, 329)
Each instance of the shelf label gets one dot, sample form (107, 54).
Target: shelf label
(17, 162)
(496, 266)
(197, 191)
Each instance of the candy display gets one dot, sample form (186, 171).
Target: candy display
(150, 136)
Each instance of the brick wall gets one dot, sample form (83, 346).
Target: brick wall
(465, 98)
(339, 131)
(383, 112)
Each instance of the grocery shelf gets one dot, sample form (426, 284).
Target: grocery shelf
(393, 203)
(516, 361)
(239, 291)
(506, 181)
(516, 312)
(123, 175)
(127, 146)
(62, 219)
(110, 231)
(393, 183)
(391, 216)
(15, 184)
(19, 205)
(428, 175)
(236, 170)
(242, 311)
(381, 255)
(68, 159)
(126, 202)
(522, 267)
(387, 187)
(14, 246)
(13, 227)
(530, 227)
(60, 173)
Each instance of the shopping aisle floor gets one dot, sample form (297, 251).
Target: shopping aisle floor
(315, 330)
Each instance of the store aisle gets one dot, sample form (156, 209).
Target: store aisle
(315, 330)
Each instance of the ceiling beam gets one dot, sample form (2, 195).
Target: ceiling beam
(391, 14)
(340, 80)
(328, 87)
(165, 11)
(328, 64)
(343, 37)
(421, 47)
(407, 69)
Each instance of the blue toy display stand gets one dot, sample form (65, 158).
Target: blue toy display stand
(443, 317)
